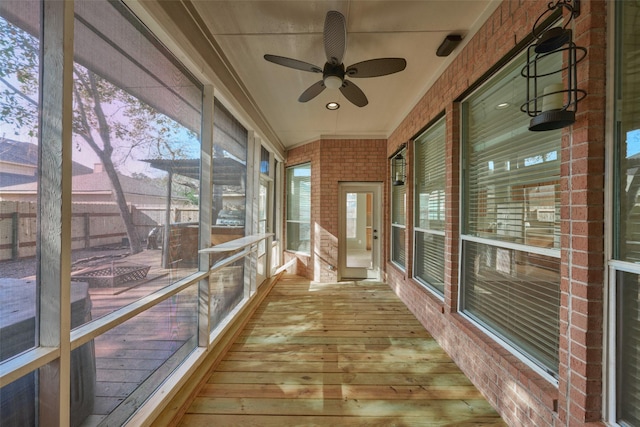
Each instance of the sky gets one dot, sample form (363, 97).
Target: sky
(633, 142)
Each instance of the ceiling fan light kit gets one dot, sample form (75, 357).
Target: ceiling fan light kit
(334, 71)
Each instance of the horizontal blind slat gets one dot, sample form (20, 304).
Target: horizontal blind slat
(512, 195)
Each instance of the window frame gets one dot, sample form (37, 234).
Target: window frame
(515, 247)
(398, 258)
(618, 263)
(290, 170)
(435, 128)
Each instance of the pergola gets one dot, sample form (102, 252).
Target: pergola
(226, 171)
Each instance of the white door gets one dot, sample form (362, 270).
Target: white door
(359, 233)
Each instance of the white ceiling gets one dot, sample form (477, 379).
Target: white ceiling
(247, 30)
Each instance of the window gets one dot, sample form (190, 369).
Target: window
(265, 157)
(398, 217)
(299, 208)
(626, 290)
(429, 208)
(511, 224)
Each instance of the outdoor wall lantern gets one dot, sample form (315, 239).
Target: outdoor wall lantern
(398, 167)
(553, 95)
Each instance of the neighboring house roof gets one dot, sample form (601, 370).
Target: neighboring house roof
(18, 152)
(19, 161)
(99, 182)
(96, 183)
(22, 177)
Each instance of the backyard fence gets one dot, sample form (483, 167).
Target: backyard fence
(92, 225)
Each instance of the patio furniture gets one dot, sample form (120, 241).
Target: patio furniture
(17, 334)
(111, 275)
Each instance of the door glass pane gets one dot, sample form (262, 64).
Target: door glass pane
(358, 223)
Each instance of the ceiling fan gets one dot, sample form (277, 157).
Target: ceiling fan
(334, 71)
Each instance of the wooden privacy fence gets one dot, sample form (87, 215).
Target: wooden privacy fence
(92, 225)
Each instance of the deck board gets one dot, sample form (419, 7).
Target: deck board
(347, 354)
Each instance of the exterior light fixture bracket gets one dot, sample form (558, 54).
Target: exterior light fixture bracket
(553, 106)
(398, 170)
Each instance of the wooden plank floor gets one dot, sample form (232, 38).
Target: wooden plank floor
(345, 354)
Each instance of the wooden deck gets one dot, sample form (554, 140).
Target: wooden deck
(341, 354)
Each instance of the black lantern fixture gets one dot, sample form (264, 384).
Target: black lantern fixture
(398, 173)
(553, 95)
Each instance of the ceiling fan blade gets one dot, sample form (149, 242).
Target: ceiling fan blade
(354, 94)
(376, 67)
(293, 63)
(313, 91)
(335, 37)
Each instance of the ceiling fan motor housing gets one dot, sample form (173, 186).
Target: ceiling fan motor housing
(334, 72)
(333, 75)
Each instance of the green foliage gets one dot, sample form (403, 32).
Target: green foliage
(118, 127)
(19, 54)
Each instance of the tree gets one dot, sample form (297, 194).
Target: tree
(90, 93)
(19, 53)
(109, 120)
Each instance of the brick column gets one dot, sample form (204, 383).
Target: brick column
(583, 263)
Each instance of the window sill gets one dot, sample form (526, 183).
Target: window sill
(537, 385)
(436, 301)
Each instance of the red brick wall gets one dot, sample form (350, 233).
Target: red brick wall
(333, 161)
(522, 396)
(583, 264)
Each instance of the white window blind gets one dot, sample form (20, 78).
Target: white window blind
(513, 190)
(299, 208)
(398, 220)
(429, 207)
(511, 196)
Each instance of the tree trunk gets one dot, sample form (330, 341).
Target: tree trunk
(105, 156)
(118, 194)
